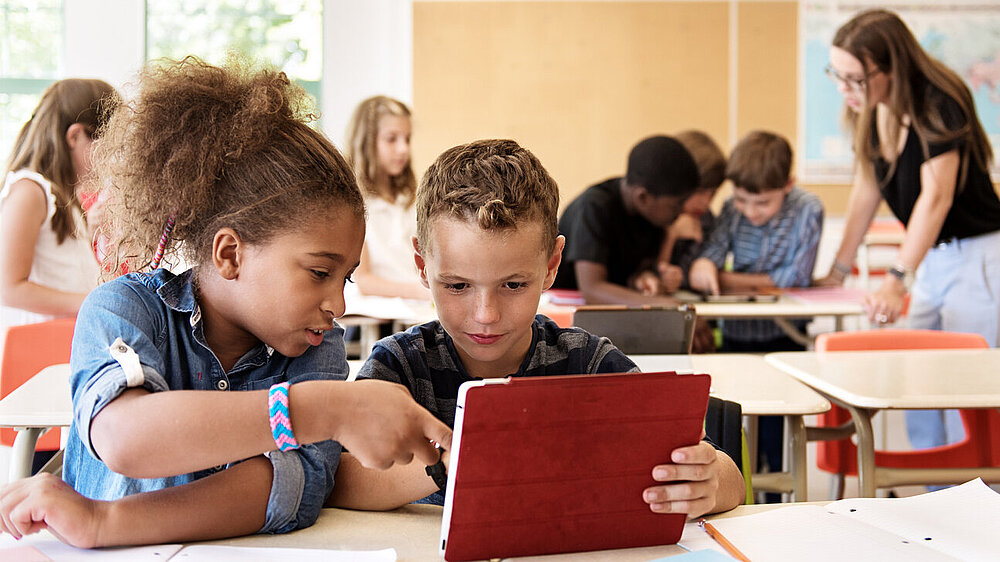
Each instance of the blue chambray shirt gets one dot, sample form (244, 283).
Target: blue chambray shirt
(157, 315)
(785, 248)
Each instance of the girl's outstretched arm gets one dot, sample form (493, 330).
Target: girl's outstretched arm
(378, 421)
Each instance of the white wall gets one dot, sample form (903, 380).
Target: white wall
(105, 39)
(367, 50)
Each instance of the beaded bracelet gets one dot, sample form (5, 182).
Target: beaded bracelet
(281, 421)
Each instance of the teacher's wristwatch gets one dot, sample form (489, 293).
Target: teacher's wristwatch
(904, 274)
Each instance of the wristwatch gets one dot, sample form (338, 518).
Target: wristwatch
(904, 274)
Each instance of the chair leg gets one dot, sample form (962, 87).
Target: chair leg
(837, 486)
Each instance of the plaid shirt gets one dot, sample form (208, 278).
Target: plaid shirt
(784, 248)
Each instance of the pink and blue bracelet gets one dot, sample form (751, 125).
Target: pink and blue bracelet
(281, 420)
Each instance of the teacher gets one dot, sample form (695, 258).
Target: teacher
(919, 145)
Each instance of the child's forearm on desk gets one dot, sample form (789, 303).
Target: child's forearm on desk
(227, 504)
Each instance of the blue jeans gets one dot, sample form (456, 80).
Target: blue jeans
(957, 289)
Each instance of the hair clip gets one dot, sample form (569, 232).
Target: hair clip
(162, 246)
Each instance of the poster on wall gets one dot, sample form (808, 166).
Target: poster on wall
(963, 35)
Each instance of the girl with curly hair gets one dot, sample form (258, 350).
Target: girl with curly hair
(219, 167)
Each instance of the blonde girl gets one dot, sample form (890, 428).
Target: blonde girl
(47, 265)
(378, 148)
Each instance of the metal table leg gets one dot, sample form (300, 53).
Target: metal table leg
(23, 452)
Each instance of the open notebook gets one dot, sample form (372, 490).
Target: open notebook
(958, 523)
(544, 465)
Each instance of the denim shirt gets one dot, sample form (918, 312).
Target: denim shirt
(157, 315)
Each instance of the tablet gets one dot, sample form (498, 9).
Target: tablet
(742, 297)
(544, 465)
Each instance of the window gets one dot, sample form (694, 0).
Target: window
(31, 58)
(286, 33)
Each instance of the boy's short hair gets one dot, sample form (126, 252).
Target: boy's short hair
(496, 183)
(707, 156)
(761, 161)
(662, 166)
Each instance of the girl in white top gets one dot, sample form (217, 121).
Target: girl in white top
(378, 148)
(47, 264)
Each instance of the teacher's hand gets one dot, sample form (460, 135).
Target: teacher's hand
(886, 304)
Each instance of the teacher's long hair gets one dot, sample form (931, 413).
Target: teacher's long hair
(920, 87)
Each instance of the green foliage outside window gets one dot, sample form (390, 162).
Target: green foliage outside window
(31, 55)
(285, 33)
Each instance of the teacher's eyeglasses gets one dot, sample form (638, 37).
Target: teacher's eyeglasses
(855, 84)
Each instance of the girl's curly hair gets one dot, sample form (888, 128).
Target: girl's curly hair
(214, 147)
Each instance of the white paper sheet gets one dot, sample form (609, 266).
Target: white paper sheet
(213, 553)
(960, 521)
(53, 549)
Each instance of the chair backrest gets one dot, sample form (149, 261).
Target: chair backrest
(724, 426)
(640, 330)
(873, 340)
(27, 349)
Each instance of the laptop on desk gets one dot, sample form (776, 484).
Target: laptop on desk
(545, 465)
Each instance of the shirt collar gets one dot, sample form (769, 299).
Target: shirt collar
(178, 292)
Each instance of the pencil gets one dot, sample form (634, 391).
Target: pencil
(723, 541)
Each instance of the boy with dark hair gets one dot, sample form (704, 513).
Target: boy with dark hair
(772, 229)
(686, 235)
(486, 247)
(614, 230)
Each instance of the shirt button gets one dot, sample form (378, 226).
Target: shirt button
(222, 385)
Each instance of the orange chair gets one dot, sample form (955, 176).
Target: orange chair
(28, 349)
(982, 427)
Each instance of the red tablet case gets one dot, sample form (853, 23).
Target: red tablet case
(545, 465)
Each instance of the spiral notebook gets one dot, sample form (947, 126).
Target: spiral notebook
(545, 465)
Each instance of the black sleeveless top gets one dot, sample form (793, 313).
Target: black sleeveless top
(975, 209)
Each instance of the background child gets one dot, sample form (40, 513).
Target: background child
(378, 148)
(47, 264)
(686, 235)
(772, 229)
(272, 217)
(494, 195)
(615, 230)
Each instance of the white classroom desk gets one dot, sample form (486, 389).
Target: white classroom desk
(761, 390)
(41, 403)
(865, 382)
(370, 313)
(414, 531)
(781, 311)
